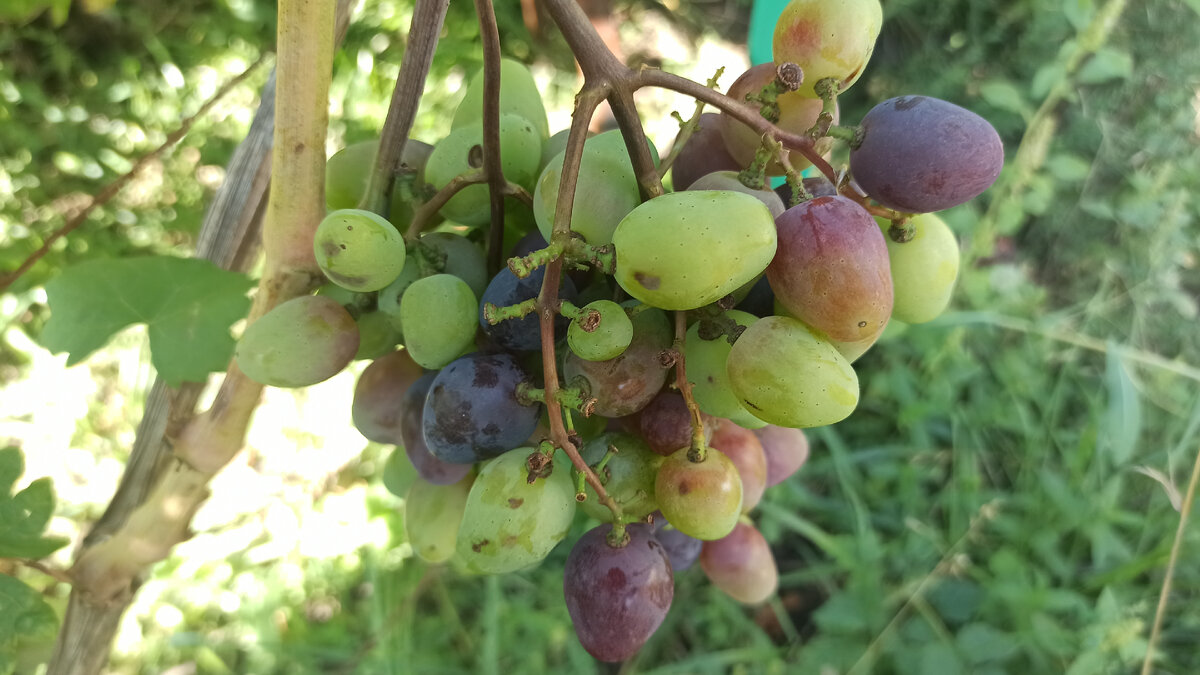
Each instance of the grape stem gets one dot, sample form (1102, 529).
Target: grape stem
(492, 168)
(699, 450)
(427, 19)
(686, 129)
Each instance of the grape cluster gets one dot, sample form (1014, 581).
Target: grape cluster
(696, 333)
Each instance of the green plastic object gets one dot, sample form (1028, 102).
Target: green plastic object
(763, 15)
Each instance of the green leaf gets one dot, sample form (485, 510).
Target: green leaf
(1004, 95)
(1106, 65)
(188, 305)
(1124, 416)
(24, 616)
(23, 516)
(981, 643)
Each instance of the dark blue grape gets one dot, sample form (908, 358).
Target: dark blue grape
(921, 154)
(412, 434)
(472, 412)
(522, 334)
(760, 301)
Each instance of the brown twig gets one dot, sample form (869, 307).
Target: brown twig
(699, 449)
(427, 19)
(490, 36)
(113, 188)
(425, 212)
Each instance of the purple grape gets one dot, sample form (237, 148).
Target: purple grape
(472, 412)
(625, 384)
(920, 154)
(703, 153)
(522, 334)
(376, 407)
(428, 466)
(682, 549)
(666, 423)
(617, 597)
(786, 450)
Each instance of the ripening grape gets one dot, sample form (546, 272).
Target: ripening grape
(375, 409)
(924, 268)
(358, 250)
(831, 268)
(787, 375)
(510, 523)
(625, 384)
(506, 289)
(744, 449)
(472, 411)
(741, 564)
(666, 423)
(704, 152)
(462, 151)
(439, 311)
(300, 342)
(388, 299)
(920, 154)
(628, 477)
(684, 250)
(432, 514)
(728, 180)
(786, 451)
(827, 38)
(412, 433)
(617, 597)
(701, 499)
(347, 170)
(518, 96)
(607, 339)
(705, 361)
(797, 114)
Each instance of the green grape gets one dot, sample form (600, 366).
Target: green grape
(519, 95)
(439, 312)
(359, 250)
(347, 171)
(684, 250)
(827, 39)
(388, 300)
(432, 514)
(300, 342)
(924, 268)
(728, 180)
(701, 499)
(787, 375)
(553, 146)
(607, 190)
(705, 361)
(461, 152)
(376, 335)
(608, 339)
(628, 477)
(462, 257)
(625, 384)
(611, 145)
(509, 523)
(849, 350)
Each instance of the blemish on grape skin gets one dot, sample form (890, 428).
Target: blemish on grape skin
(514, 503)
(648, 281)
(478, 546)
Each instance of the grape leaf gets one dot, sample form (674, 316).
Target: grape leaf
(188, 305)
(23, 516)
(24, 617)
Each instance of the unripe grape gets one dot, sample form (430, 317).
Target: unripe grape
(787, 375)
(608, 337)
(705, 360)
(519, 95)
(741, 565)
(359, 250)
(301, 342)
(462, 152)
(924, 268)
(432, 516)
(628, 477)
(376, 408)
(440, 314)
(797, 114)
(728, 180)
(510, 523)
(347, 171)
(684, 250)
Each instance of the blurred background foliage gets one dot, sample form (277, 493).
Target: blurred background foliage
(1003, 501)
